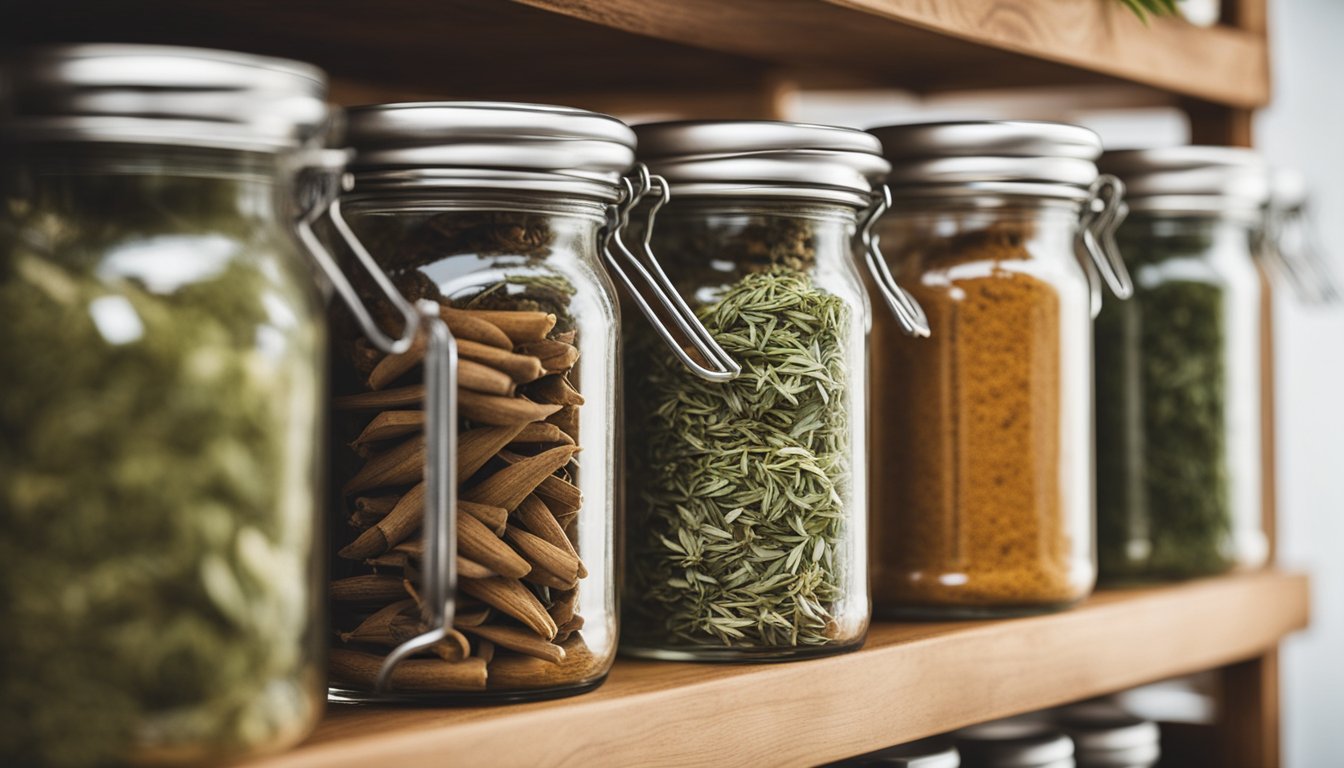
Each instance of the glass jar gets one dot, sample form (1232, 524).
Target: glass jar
(982, 445)
(1019, 742)
(746, 513)
(498, 215)
(1179, 445)
(1105, 736)
(164, 352)
(934, 752)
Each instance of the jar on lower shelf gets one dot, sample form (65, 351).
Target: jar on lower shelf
(982, 483)
(1020, 742)
(1179, 469)
(746, 499)
(163, 346)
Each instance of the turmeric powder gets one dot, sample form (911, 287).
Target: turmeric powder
(972, 513)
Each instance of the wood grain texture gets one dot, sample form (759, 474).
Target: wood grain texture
(910, 681)
(936, 44)
(543, 49)
(1247, 733)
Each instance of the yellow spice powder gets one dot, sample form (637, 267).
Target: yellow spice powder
(967, 490)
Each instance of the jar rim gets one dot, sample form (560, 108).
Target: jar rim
(167, 95)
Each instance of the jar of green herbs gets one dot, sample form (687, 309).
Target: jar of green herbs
(163, 352)
(1179, 462)
(747, 499)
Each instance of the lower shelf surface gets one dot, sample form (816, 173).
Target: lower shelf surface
(909, 681)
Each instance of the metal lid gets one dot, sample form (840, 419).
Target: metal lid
(936, 752)
(1014, 743)
(760, 158)
(1104, 734)
(1191, 179)
(490, 145)
(161, 95)
(991, 157)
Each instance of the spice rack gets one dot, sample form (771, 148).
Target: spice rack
(908, 681)
(710, 58)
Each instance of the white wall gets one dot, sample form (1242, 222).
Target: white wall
(1305, 128)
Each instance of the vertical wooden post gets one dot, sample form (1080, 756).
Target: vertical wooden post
(1248, 728)
(1248, 719)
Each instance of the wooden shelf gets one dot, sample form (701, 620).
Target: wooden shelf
(725, 54)
(909, 681)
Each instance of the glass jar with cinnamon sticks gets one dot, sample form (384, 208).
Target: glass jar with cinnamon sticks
(983, 496)
(507, 220)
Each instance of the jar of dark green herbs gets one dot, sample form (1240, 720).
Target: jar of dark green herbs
(1179, 464)
(747, 500)
(507, 218)
(163, 349)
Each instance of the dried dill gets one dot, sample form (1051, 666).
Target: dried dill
(741, 538)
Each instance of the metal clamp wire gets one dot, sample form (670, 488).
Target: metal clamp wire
(323, 179)
(721, 365)
(910, 315)
(1106, 210)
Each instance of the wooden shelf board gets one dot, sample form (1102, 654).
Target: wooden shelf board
(909, 681)
(949, 44)
(585, 50)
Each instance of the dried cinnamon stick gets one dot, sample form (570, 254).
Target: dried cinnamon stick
(393, 367)
(472, 617)
(485, 650)
(399, 465)
(370, 509)
(364, 356)
(477, 446)
(512, 671)
(511, 597)
(404, 519)
(368, 588)
(390, 424)
(554, 388)
(567, 419)
(466, 326)
(482, 378)
(521, 368)
(500, 411)
(519, 326)
(400, 397)
(542, 432)
(478, 543)
(563, 498)
(568, 629)
(509, 486)
(495, 518)
(360, 669)
(562, 606)
(536, 517)
(377, 627)
(554, 355)
(520, 640)
(545, 556)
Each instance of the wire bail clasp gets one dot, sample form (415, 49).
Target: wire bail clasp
(321, 179)
(717, 365)
(908, 312)
(1103, 212)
